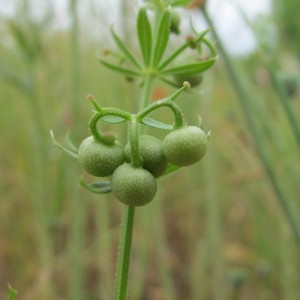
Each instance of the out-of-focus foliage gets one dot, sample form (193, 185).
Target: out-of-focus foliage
(216, 230)
(287, 18)
(161, 4)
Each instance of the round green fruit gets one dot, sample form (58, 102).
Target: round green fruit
(194, 79)
(99, 159)
(185, 146)
(133, 186)
(150, 150)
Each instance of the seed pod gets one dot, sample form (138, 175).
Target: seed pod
(151, 152)
(185, 146)
(100, 159)
(133, 186)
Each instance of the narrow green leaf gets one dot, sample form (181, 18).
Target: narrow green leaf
(180, 49)
(13, 77)
(97, 187)
(19, 35)
(175, 3)
(124, 49)
(144, 35)
(190, 69)
(161, 42)
(62, 148)
(12, 293)
(116, 68)
(70, 143)
(156, 124)
(111, 119)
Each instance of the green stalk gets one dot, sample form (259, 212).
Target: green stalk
(75, 59)
(78, 213)
(123, 262)
(288, 272)
(39, 153)
(39, 156)
(38, 191)
(147, 90)
(78, 207)
(165, 270)
(245, 98)
(284, 101)
(214, 232)
(105, 283)
(199, 271)
(281, 93)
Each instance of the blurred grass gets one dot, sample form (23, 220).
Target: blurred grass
(215, 230)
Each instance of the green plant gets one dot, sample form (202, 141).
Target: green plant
(174, 22)
(12, 293)
(99, 158)
(185, 146)
(195, 79)
(151, 153)
(133, 186)
(134, 183)
(251, 116)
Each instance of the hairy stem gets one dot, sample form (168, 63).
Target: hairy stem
(123, 262)
(134, 142)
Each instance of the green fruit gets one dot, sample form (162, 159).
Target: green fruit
(194, 79)
(185, 146)
(99, 159)
(133, 186)
(150, 150)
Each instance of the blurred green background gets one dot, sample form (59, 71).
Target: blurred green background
(226, 228)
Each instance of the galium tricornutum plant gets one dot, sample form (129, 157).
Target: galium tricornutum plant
(131, 172)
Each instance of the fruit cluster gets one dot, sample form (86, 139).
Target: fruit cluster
(134, 169)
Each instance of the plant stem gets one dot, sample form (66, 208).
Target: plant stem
(134, 142)
(78, 208)
(284, 101)
(123, 262)
(147, 90)
(124, 253)
(75, 57)
(245, 98)
(38, 191)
